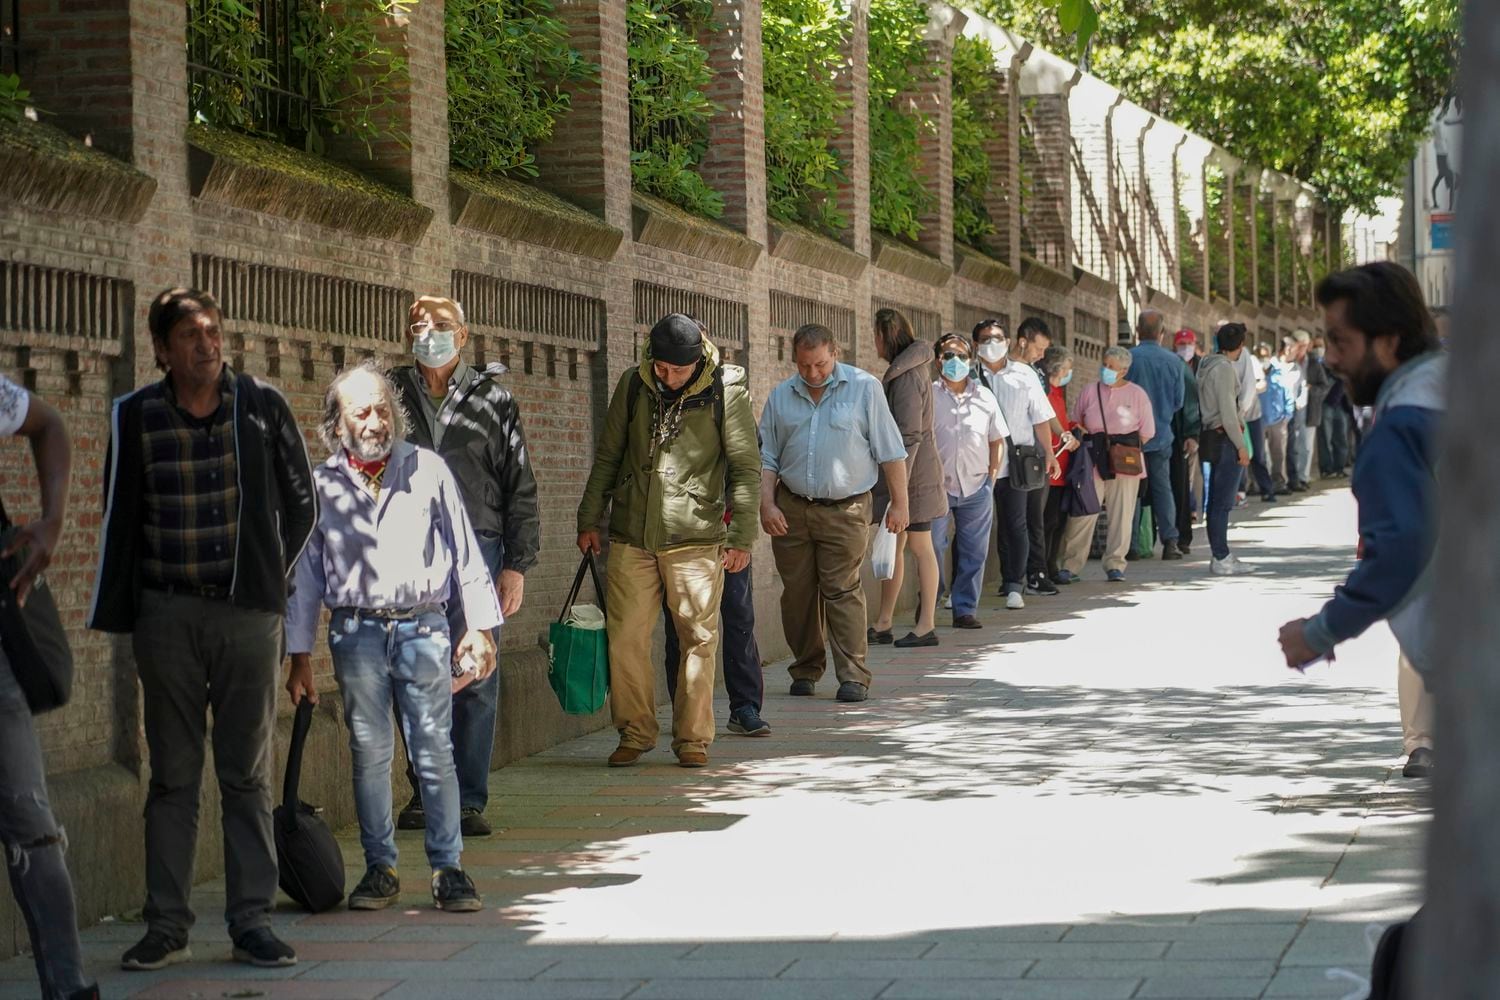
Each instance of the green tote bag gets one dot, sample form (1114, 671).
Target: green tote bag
(578, 652)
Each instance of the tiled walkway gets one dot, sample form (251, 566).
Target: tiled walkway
(1118, 792)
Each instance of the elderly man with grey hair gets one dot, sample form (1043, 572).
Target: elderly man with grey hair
(391, 549)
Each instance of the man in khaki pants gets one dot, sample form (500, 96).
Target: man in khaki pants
(678, 427)
(1416, 719)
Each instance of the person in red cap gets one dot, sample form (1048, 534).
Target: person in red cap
(1187, 426)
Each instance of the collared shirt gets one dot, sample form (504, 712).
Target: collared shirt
(438, 412)
(1116, 410)
(14, 402)
(410, 547)
(1023, 401)
(190, 491)
(1163, 376)
(831, 449)
(965, 425)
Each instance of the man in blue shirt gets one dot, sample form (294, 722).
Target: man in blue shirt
(826, 433)
(1162, 375)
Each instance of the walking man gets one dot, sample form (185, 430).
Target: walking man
(30, 833)
(391, 549)
(1164, 378)
(1187, 427)
(1223, 442)
(210, 501)
(679, 428)
(467, 416)
(825, 433)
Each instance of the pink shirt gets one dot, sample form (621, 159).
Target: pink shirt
(1126, 405)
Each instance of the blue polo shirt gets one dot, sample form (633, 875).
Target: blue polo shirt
(831, 449)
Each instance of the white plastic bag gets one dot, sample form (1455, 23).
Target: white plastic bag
(585, 616)
(883, 555)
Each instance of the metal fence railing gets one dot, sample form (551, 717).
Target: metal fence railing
(252, 85)
(10, 37)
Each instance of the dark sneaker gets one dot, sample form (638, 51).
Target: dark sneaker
(803, 689)
(473, 823)
(378, 889)
(87, 993)
(1115, 576)
(852, 691)
(911, 641)
(966, 621)
(747, 722)
(454, 892)
(1040, 586)
(1419, 764)
(1169, 551)
(879, 637)
(1065, 578)
(412, 817)
(156, 950)
(263, 949)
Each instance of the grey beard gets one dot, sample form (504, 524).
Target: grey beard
(367, 450)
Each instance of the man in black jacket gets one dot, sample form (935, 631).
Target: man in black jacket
(209, 504)
(465, 414)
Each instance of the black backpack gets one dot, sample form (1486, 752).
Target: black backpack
(309, 863)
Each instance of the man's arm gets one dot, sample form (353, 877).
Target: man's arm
(771, 517)
(518, 495)
(898, 512)
(743, 457)
(294, 477)
(53, 455)
(608, 457)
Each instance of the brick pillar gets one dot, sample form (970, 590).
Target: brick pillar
(1092, 227)
(999, 197)
(932, 99)
(853, 142)
(1159, 170)
(1047, 162)
(735, 164)
(1243, 187)
(75, 59)
(1194, 249)
(1128, 125)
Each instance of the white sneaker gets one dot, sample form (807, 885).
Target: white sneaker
(948, 603)
(1228, 566)
(1014, 601)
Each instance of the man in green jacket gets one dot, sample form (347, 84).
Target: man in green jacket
(678, 426)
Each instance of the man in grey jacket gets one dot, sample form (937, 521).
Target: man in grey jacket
(1223, 442)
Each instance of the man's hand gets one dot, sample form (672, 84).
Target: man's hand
(735, 560)
(1294, 644)
(1243, 456)
(1190, 447)
(476, 643)
(1070, 441)
(589, 543)
(772, 520)
(511, 590)
(897, 517)
(1054, 467)
(38, 539)
(299, 679)
(994, 474)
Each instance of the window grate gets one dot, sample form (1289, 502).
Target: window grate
(789, 312)
(925, 324)
(727, 321)
(303, 300)
(511, 310)
(268, 107)
(63, 303)
(968, 316)
(10, 37)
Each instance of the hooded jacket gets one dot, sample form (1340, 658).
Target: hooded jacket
(1395, 483)
(676, 497)
(1218, 397)
(908, 390)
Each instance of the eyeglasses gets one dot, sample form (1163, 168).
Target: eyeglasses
(424, 328)
(950, 355)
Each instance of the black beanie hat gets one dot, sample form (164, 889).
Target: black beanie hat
(677, 340)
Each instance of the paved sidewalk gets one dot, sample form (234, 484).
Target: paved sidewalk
(1114, 793)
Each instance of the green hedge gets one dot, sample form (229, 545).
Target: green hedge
(898, 64)
(978, 117)
(669, 109)
(1218, 237)
(1265, 248)
(1288, 264)
(1189, 252)
(803, 42)
(507, 60)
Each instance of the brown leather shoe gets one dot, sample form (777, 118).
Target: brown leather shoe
(625, 756)
(692, 758)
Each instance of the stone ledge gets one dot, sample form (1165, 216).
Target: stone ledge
(1194, 301)
(659, 223)
(1039, 275)
(44, 167)
(263, 176)
(889, 254)
(801, 245)
(504, 207)
(1091, 284)
(1157, 299)
(976, 265)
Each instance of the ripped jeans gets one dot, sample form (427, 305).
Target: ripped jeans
(34, 846)
(376, 659)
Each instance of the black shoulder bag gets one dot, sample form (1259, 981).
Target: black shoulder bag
(35, 642)
(309, 863)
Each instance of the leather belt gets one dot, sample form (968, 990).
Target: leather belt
(184, 590)
(393, 614)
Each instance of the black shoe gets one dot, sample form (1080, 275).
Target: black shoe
(1041, 586)
(747, 722)
(263, 949)
(1132, 556)
(803, 689)
(911, 641)
(412, 817)
(1300, 488)
(454, 892)
(1419, 764)
(1183, 547)
(852, 691)
(155, 951)
(883, 638)
(473, 823)
(1170, 551)
(378, 889)
(1268, 498)
(966, 621)
(87, 993)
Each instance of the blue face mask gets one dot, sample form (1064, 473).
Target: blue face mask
(956, 369)
(435, 348)
(1065, 380)
(1108, 376)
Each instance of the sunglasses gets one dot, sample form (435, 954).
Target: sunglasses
(950, 355)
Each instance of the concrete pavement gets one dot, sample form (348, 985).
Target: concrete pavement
(1118, 792)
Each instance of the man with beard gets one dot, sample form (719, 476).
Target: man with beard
(391, 549)
(1382, 343)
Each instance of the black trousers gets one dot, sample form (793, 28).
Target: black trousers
(1182, 486)
(1056, 526)
(1021, 540)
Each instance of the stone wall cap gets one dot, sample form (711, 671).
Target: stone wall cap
(1034, 272)
(801, 245)
(890, 254)
(44, 167)
(659, 223)
(976, 265)
(513, 210)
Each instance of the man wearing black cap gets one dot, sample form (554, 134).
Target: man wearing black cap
(679, 427)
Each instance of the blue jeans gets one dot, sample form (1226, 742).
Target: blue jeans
(1260, 468)
(743, 677)
(375, 661)
(969, 520)
(475, 710)
(1224, 476)
(1163, 503)
(34, 848)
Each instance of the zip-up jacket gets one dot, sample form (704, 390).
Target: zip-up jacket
(277, 510)
(484, 445)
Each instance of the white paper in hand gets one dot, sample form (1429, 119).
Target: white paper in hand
(883, 555)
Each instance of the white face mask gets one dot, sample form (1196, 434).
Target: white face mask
(1185, 352)
(993, 350)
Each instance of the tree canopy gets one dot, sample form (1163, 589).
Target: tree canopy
(1335, 92)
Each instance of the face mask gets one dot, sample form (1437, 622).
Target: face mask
(956, 369)
(812, 385)
(1185, 352)
(993, 350)
(1108, 376)
(435, 348)
(1318, 353)
(1065, 380)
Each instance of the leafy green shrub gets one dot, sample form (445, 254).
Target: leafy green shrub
(1287, 264)
(1218, 235)
(507, 60)
(898, 64)
(978, 116)
(1265, 249)
(1189, 253)
(803, 42)
(669, 108)
(339, 80)
(13, 98)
